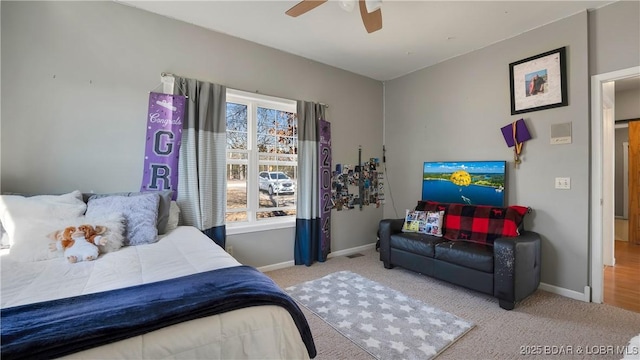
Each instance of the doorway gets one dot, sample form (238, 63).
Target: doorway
(621, 285)
(602, 176)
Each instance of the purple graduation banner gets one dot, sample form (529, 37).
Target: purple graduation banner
(324, 149)
(164, 135)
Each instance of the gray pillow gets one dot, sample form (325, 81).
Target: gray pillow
(140, 213)
(163, 208)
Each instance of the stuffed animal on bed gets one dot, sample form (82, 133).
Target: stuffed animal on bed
(94, 235)
(79, 244)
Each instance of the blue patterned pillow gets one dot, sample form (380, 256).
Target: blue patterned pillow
(140, 213)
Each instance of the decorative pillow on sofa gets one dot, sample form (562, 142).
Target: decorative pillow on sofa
(433, 223)
(480, 223)
(414, 221)
(140, 213)
(163, 205)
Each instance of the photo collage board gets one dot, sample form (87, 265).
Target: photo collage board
(352, 184)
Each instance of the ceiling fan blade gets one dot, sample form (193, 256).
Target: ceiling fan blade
(372, 20)
(304, 6)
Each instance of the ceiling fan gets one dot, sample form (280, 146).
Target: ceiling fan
(369, 11)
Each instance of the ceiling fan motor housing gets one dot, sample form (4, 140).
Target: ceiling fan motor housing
(373, 5)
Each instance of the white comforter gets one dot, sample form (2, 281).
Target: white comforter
(256, 332)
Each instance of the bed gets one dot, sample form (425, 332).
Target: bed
(180, 261)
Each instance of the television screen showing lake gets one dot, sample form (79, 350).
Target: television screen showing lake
(466, 182)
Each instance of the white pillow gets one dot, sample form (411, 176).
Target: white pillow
(32, 237)
(174, 217)
(16, 209)
(4, 241)
(4, 237)
(29, 240)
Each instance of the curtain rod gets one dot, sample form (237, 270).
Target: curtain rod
(172, 75)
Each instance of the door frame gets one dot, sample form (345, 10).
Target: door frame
(601, 183)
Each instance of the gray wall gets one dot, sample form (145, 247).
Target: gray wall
(454, 110)
(614, 37)
(75, 83)
(627, 104)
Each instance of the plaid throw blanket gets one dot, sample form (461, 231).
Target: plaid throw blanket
(478, 223)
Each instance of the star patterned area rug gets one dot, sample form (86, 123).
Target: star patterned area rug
(382, 321)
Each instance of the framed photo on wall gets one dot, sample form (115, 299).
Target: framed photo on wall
(539, 82)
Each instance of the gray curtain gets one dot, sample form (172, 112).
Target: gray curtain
(202, 183)
(308, 245)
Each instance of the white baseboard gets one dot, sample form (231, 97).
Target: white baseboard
(278, 266)
(586, 296)
(344, 252)
(351, 251)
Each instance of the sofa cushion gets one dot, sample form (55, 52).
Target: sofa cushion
(479, 223)
(415, 243)
(467, 254)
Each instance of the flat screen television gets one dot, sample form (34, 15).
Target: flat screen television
(466, 182)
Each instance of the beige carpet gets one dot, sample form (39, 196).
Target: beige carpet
(543, 319)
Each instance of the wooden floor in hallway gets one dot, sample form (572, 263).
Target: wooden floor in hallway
(622, 281)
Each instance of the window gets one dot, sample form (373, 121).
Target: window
(262, 159)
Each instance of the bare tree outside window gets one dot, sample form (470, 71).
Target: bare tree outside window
(274, 133)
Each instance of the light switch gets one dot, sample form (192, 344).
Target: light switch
(563, 183)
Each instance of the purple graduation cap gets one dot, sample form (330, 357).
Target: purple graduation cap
(521, 135)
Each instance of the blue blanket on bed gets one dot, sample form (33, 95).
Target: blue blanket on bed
(64, 326)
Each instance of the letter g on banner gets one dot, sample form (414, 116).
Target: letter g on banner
(160, 147)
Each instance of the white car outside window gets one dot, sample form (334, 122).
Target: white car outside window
(276, 182)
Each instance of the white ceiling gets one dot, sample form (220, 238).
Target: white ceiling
(415, 34)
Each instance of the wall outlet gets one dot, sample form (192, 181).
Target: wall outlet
(230, 250)
(563, 183)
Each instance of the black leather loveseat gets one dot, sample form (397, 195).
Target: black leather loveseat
(506, 267)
